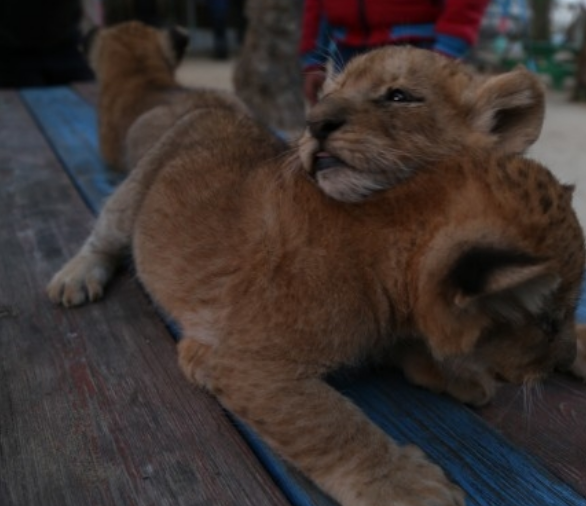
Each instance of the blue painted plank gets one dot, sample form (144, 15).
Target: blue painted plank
(297, 489)
(581, 312)
(70, 125)
(493, 472)
(488, 468)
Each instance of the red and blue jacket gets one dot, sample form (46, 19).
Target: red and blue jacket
(447, 26)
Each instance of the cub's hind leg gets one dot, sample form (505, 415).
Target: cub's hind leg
(83, 278)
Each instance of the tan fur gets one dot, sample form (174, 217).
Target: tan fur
(274, 284)
(448, 108)
(139, 98)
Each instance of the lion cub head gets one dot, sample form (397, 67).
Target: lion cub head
(501, 271)
(134, 47)
(396, 109)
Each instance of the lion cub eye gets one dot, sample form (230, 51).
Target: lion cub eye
(398, 95)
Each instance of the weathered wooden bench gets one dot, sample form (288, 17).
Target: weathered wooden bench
(94, 410)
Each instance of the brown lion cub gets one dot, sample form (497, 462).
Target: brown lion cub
(397, 109)
(139, 98)
(471, 266)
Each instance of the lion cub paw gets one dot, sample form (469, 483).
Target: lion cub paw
(80, 280)
(415, 481)
(465, 383)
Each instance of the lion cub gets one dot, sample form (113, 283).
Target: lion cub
(472, 265)
(139, 98)
(397, 109)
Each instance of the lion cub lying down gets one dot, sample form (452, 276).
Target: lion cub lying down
(139, 98)
(466, 271)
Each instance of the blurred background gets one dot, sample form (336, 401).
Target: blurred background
(252, 48)
(545, 35)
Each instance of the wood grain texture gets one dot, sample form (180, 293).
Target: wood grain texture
(93, 409)
(70, 124)
(549, 421)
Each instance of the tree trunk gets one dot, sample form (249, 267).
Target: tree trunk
(267, 75)
(579, 39)
(579, 93)
(540, 22)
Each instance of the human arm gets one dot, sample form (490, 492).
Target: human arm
(458, 25)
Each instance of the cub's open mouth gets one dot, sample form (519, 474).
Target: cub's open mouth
(323, 160)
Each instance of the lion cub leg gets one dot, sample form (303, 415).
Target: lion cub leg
(461, 380)
(579, 366)
(318, 430)
(84, 277)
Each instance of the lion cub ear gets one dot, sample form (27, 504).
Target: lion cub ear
(503, 282)
(175, 41)
(510, 109)
(484, 285)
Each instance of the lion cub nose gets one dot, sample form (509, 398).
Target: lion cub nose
(322, 128)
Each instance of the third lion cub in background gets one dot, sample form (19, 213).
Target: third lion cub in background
(139, 98)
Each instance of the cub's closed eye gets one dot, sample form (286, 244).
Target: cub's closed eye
(399, 95)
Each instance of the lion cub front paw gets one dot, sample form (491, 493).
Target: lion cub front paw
(80, 280)
(415, 481)
(422, 483)
(464, 382)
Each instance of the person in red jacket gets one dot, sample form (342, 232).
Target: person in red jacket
(341, 29)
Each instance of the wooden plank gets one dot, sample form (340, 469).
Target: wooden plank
(93, 409)
(70, 123)
(492, 471)
(379, 399)
(549, 422)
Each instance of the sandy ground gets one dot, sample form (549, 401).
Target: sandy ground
(561, 147)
